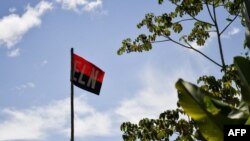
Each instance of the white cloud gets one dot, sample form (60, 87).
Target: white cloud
(80, 5)
(13, 26)
(234, 31)
(20, 125)
(45, 62)
(26, 85)
(14, 53)
(12, 10)
(157, 95)
(37, 123)
(31, 85)
(90, 122)
(96, 124)
(93, 5)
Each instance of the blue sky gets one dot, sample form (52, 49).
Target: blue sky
(35, 41)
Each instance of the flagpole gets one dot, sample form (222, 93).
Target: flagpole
(72, 96)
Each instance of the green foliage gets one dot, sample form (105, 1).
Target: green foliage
(160, 1)
(168, 123)
(205, 104)
(208, 112)
(226, 88)
(234, 7)
(202, 110)
(243, 66)
(211, 113)
(210, 106)
(167, 24)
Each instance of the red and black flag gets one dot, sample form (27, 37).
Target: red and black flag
(86, 75)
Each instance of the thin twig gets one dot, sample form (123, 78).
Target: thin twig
(219, 39)
(160, 41)
(228, 25)
(184, 20)
(210, 14)
(182, 45)
(190, 47)
(196, 18)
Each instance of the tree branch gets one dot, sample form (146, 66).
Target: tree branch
(182, 45)
(228, 25)
(210, 14)
(191, 47)
(160, 41)
(201, 20)
(196, 18)
(184, 20)
(196, 50)
(219, 39)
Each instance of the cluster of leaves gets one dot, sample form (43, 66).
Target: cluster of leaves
(169, 122)
(209, 112)
(214, 104)
(208, 107)
(165, 25)
(225, 89)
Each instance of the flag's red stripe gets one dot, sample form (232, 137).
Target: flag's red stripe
(79, 64)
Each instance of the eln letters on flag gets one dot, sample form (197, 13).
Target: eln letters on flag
(86, 75)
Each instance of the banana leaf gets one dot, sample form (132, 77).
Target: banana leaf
(199, 105)
(243, 66)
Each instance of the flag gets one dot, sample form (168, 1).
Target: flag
(86, 75)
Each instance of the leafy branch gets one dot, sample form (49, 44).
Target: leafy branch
(165, 26)
(216, 101)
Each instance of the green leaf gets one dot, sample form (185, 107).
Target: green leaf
(242, 112)
(161, 134)
(160, 1)
(245, 44)
(248, 121)
(197, 104)
(243, 66)
(210, 106)
(221, 105)
(228, 19)
(191, 99)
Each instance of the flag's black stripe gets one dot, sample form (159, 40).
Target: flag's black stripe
(85, 79)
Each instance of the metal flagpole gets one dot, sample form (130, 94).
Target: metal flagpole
(72, 96)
